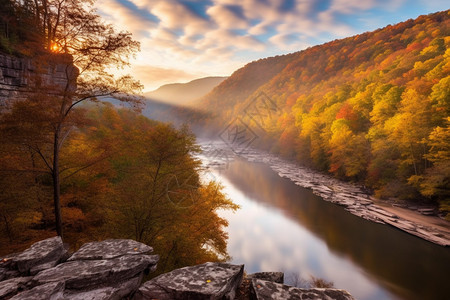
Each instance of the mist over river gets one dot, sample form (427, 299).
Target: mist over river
(284, 227)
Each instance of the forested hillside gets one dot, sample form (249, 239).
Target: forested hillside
(373, 108)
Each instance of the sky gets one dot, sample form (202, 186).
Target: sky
(182, 40)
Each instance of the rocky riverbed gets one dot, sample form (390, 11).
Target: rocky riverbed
(355, 199)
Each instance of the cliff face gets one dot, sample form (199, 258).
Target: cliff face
(20, 76)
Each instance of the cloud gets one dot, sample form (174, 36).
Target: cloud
(350, 6)
(290, 42)
(227, 38)
(355, 6)
(137, 21)
(175, 15)
(215, 36)
(230, 17)
(260, 28)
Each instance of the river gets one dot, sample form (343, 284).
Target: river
(284, 227)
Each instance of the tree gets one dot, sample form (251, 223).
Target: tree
(155, 194)
(409, 128)
(349, 152)
(77, 42)
(435, 183)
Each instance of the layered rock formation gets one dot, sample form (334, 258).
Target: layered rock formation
(264, 290)
(206, 281)
(113, 269)
(20, 75)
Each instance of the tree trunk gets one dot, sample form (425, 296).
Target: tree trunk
(8, 229)
(56, 183)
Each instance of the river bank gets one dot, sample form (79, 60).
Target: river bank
(355, 199)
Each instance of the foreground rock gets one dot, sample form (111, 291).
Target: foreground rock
(48, 253)
(265, 290)
(121, 290)
(54, 291)
(112, 269)
(244, 289)
(85, 274)
(13, 285)
(277, 277)
(206, 281)
(109, 249)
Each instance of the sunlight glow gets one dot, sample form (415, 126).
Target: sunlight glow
(55, 47)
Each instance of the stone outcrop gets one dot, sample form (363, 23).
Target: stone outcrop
(54, 291)
(82, 274)
(13, 285)
(19, 75)
(277, 277)
(41, 255)
(206, 281)
(266, 290)
(121, 290)
(113, 270)
(109, 249)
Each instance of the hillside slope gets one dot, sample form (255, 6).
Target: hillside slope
(373, 108)
(184, 93)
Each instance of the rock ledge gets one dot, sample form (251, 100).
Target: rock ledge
(113, 269)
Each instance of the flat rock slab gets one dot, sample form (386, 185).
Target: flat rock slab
(264, 290)
(116, 292)
(84, 274)
(6, 273)
(206, 281)
(53, 291)
(11, 286)
(277, 277)
(36, 269)
(7, 262)
(44, 251)
(109, 249)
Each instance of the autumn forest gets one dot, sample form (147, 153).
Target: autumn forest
(103, 172)
(371, 109)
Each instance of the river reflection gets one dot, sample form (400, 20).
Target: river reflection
(282, 226)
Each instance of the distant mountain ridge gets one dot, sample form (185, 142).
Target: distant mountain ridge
(184, 93)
